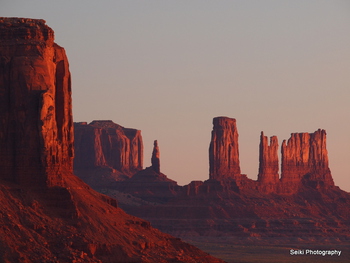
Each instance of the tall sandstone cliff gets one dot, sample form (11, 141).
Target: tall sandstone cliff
(223, 149)
(36, 128)
(107, 144)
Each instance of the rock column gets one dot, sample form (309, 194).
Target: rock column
(155, 160)
(223, 149)
(268, 160)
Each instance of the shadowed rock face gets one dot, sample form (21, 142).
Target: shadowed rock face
(107, 144)
(223, 149)
(36, 128)
(156, 157)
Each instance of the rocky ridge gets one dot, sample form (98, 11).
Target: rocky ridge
(46, 213)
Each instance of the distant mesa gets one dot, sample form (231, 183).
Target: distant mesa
(106, 152)
(107, 144)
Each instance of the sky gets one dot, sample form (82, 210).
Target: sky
(168, 68)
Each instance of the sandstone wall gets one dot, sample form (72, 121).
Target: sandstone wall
(36, 128)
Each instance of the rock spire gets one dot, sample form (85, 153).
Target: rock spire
(268, 160)
(223, 149)
(155, 160)
(36, 128)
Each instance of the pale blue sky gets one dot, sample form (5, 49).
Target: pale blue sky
(168, 67)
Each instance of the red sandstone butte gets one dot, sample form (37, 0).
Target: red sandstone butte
(223, 149)
(305, 157)
(46, 213)
(36, 127)
(104, 143)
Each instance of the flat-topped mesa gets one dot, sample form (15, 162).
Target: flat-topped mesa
(305, 157)
(268, 160)
(36, 128)
(104, 143)
(155, 160)
(223, 149)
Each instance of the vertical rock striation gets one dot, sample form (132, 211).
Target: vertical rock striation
(107, 144)
(305, 157)
(223, 149)
(155, 160)
(36, 128)
(268, 160)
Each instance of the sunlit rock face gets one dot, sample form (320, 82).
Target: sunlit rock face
(107, 144)
(223, 149)
(305, 158)
(36, 128)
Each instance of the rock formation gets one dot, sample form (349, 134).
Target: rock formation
(36, 128)
(107, 144)
(305, 157)
(268, 162)
(223, 149)
(46, 213)
(303, 205)
(155, 157)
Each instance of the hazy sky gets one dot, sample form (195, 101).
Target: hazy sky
(168, 67)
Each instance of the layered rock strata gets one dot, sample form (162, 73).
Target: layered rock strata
(223, 149)
(36, 128)
(107, 144)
